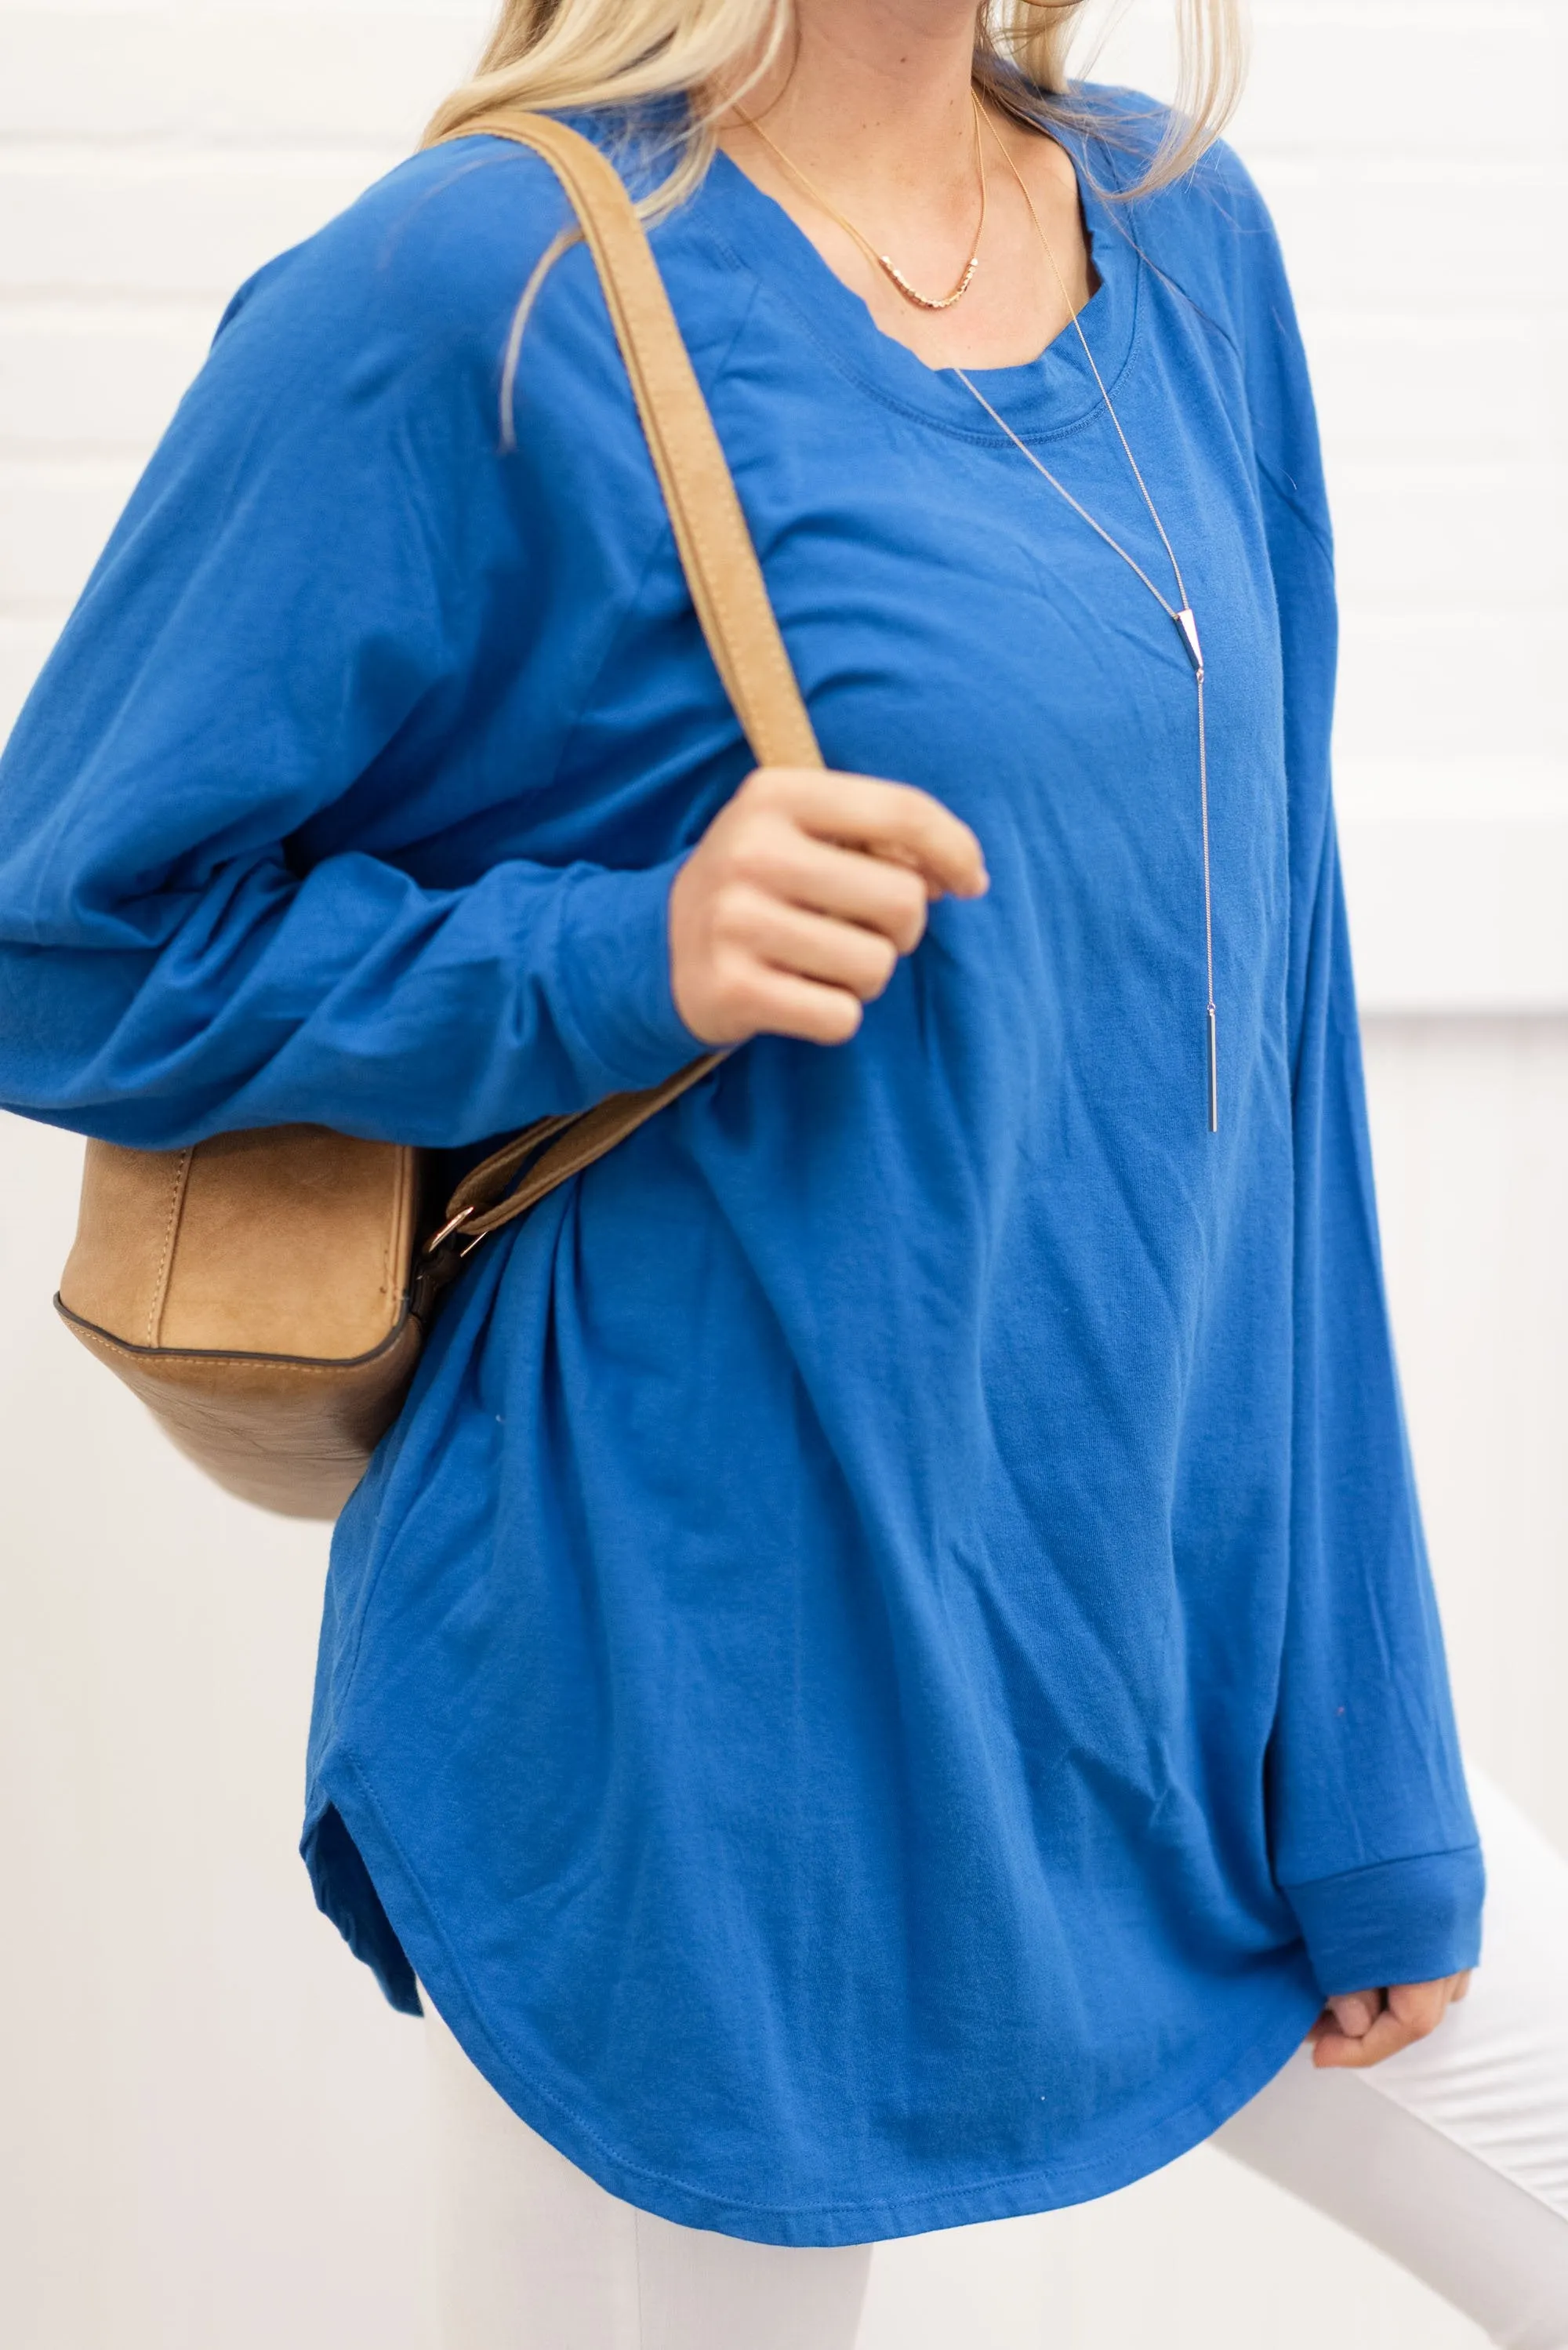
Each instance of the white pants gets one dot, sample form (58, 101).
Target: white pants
(1452, 2157)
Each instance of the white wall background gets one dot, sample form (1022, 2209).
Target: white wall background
(209, 2127)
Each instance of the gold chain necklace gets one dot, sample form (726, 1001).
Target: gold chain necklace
(1180, 614)
(882, 260)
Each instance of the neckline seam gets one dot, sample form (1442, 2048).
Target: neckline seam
(764, 289)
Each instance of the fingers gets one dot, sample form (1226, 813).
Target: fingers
(793, 908)
(1361, 2028)
(844, 954)
(1356, 2013)
(890, 820)
(778, 1004)
(776, 858)
(1385, 2037)
(1419, 2008)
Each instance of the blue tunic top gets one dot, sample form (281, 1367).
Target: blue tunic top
(889, 1662)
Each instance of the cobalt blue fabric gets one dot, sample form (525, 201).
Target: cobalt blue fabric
(889, 1662)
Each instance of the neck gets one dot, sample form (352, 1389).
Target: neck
(875, 92)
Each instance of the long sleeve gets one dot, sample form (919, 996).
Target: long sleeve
(1371, 1837)
(210, 809)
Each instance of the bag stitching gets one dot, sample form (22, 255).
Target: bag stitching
(165, 1263)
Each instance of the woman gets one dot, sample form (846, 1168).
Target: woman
(886, 1672)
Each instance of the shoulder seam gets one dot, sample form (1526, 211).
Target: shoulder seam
(661, 536)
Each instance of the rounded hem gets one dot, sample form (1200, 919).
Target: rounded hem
(875, 2220)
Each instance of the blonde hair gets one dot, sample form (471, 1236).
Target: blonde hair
(563, 55)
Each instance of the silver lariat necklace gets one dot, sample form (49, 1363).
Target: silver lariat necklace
(1180, 613)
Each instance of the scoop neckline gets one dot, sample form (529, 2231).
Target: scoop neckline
(1042, 398)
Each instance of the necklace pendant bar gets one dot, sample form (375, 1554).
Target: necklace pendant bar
(1213, 1075)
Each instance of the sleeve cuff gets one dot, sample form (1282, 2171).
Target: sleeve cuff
(1399, 1921)
(616, 1008)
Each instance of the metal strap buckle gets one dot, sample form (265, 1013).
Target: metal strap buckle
(452, 1224)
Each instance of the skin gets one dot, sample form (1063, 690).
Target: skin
(792, 912)
(1361, 2027)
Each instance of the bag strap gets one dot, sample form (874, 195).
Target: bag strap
(716, 552)
(730, 597)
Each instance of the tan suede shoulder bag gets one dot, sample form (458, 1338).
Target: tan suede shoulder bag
(267, 1293)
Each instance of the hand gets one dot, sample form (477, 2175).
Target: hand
(1361, 2027)
(793, 908)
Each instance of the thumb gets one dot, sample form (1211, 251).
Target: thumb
(1355, 2012)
